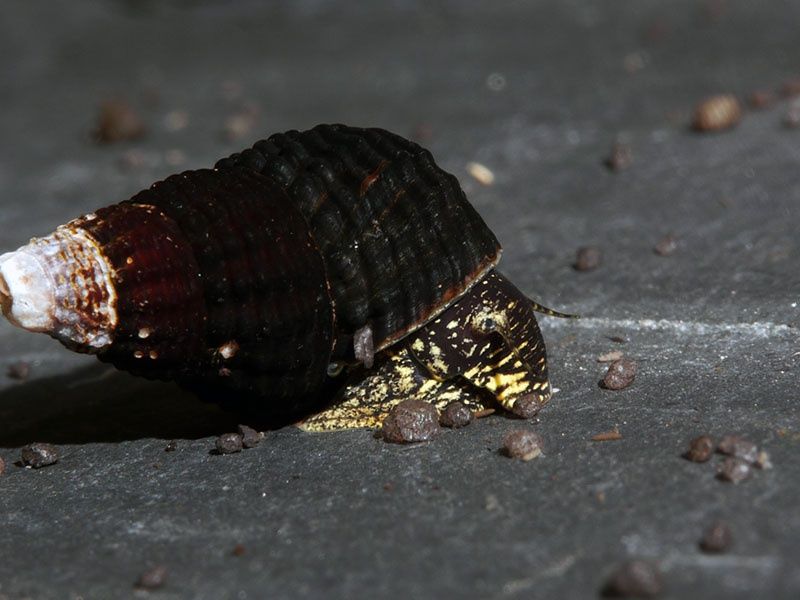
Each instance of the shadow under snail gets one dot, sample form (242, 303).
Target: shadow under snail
(337, 262)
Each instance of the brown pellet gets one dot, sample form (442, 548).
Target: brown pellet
(527, 406)
(738, 447)
(117, 121)
(620, 157)
(733, 470)
(19, 370)
(522, 444)
(411, 421)
(717, 113)
(229, 443)
(153, 578)
(666, 245)
(716, 538)
(620, 374)
(2, 465)
(634, 579)
(700, 449)
(455, 415)
(588, 258)
(238, 550)
(250, 437)
(171, 446)
(38, 455)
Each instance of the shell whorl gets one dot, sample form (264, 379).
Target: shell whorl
(63, 285)
(399, 239)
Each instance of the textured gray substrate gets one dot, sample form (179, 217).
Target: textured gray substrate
(538, 92)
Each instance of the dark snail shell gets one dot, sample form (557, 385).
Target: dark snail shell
(257, 275)
(398, 238)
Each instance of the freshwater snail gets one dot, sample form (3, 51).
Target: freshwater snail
(337, 249)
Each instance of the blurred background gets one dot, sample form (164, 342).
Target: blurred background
(571, 124)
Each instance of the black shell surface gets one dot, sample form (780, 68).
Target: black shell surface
(398, 238)
(219, 284)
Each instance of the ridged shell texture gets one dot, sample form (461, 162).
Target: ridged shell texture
(258, 273)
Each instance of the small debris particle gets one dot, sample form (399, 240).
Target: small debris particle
(38, 455)
(634, 61)
(791, 88)
(716, 539)
(481, 173)
(2, 465)
(620, 374)
(600, 496)
(411, 421)
(228, 350)
(700, 449)
(238, 550)
(19, 370)
(620, 158)
(610, 356)
(455, 415)
(717, 113)
(588, 258)
(153, 578)
(492, 503)
(480, 414)
(738, 447)
(116, 122)
(666, 245)
(607, 436)
(240, 124)
(635, 578)
(762, 460)
(176, 120)
(761, 99)
(527, 406)
(733, 470)
(229, 443)
(171, 446)
(388, 487)
(522, 444)
(250, 437)
(617, 339)
(496, 82)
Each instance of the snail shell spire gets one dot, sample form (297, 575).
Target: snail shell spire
(61, 285)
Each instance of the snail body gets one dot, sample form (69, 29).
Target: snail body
(336, 248)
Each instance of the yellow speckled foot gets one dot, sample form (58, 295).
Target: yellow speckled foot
(370, 395)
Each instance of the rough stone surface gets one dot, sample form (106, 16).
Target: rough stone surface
(537, 92)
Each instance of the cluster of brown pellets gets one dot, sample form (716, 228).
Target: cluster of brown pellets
(413, 421)
(642, 578)
(725, 111)
(244, 438)
(741, 455)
